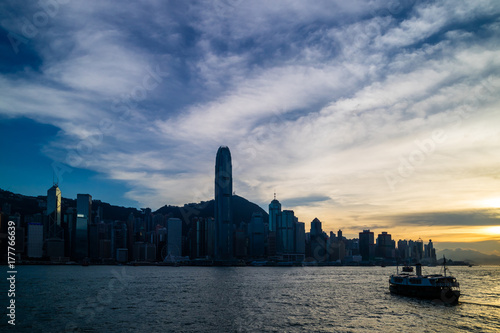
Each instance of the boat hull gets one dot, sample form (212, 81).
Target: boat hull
(444, 294)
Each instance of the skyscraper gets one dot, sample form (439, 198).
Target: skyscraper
(83, 218)
(366, 244)
(223, 211)
(256, 234)
(54, 211)
(274, 214)
(285, 236)
(174, 237)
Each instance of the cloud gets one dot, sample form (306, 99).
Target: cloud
(478, 217)
(304, 201)
(318, 101)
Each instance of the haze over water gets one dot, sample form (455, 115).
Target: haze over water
(245, 299)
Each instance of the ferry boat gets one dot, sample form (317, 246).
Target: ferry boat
(435, 286)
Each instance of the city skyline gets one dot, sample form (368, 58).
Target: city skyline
(365, 115)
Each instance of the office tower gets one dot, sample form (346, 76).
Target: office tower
(241, 242)
(274, 214)
(174, 237)
(198, 238)
(419, 245)
(54, 229)
(318, 242)
(105, 249)
(223, 211)
(119, 235)
(148, 219)
(83, 218)
(35, 240)
(300, 238)
(316, 228)
(93, 241)
(403, 249)
(366, 245)
(256, 234)
(385, 246)
(70, 234)
(285, 236)
(339, 235)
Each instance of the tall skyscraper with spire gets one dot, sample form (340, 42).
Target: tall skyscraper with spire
(274, 214)
(54, 211)
(223, 210)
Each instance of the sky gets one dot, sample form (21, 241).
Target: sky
(380, 115)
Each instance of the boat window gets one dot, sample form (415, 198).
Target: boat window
(398, 280)
(416, 281)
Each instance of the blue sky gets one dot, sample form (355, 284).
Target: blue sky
(366, 114)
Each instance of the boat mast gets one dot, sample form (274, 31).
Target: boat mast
(444, 265)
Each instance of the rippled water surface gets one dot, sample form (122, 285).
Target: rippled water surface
(234, 299)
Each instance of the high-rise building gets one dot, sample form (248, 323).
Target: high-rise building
(54, 210)
(83, 219)
(285, 236)
(174, 237)
(274, 214)
(256, 234)
(35, 240)
(403, 251)
(300, 238)
(385, 246)
(119, 237)
(366, 245)
(316, 228)
(318, 249)
(223, 210)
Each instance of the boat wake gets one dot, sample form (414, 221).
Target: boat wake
(481, 304)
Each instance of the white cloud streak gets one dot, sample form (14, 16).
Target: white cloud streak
(314, 99)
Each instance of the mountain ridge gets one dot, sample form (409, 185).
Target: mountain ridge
(470, 256)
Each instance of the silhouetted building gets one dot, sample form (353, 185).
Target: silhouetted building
(105, 249)
(93, 241)
(274, 214)
(318, 242)
(174, 237)
(35, 240)
(403, 251)
(223, 211)
(70, 232)
(285, 236)
(385, 246)
(122, 255)
(54, 212)
(366, 245)
(119, 237)
(271, 244)
(83, 219)
(256, 234)
(240, 243)
(336, 250)
(300, 238)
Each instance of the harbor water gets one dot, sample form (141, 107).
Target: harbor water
(243, 299)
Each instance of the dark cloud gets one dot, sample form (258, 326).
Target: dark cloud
(476, 217)
(304, 201)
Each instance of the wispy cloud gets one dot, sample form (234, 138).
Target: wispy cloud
(316, 100)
